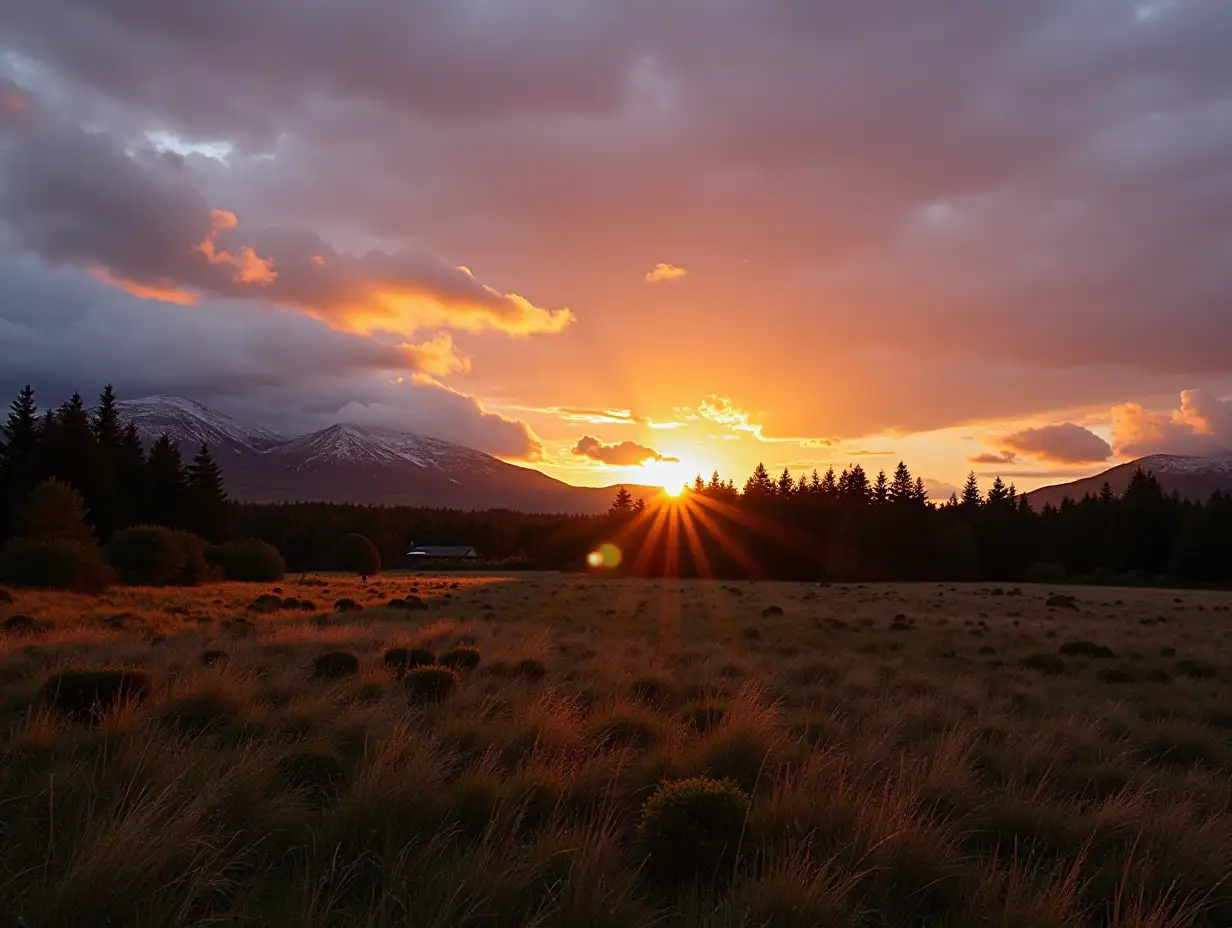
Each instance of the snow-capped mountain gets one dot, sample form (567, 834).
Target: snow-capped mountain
(190, 423)
(356, 464)
(1194, 478)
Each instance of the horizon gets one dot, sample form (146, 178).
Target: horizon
(675, 245)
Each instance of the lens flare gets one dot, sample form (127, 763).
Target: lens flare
(607, 556)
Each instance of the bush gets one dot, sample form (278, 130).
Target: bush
(705, 716)
(346, 604)
(84, 694)
(22, 625)
(248, 561)
(404, 659)
(213, 656)
(1047, 664)
(431, 684)
(1085, 649)
(357, 555)
(55, 565)
(152, 555)
(202, 711)
(334, 665)
(691, 831)
(463, 657)
(317, 774)
(410, 604)
(266, 603)
(54, 512)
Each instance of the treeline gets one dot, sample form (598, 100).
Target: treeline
(831, 526)
(102, 458)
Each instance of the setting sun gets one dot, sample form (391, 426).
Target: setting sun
(673, 489)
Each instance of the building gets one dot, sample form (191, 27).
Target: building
(443, 553)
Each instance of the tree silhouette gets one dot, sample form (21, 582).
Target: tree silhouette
(207, 510)
(168, 484)
(622, 505)
(971, 498)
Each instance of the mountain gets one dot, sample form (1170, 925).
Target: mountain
(1194, 478)
(358, 464)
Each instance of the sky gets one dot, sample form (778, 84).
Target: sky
(635, 241)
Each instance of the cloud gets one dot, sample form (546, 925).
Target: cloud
(663, 272)
(618, 454)
(721, 411)
(63, 333)
(1201, 425)
(138, 221)
(994, 457)
(437, 357)
(938, 490)
(896, 184)
(1063, 443)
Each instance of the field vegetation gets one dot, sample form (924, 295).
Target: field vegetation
(555, 750)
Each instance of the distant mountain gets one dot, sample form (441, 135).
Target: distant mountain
(1194, 478)
(358, 464)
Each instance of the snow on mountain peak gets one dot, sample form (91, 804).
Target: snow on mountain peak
(188, 421)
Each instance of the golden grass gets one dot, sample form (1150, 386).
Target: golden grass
(905, 768)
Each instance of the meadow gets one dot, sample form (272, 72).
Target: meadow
(928, 754)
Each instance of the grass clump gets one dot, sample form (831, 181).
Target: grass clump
(631, 728)
(25, 626)
(319, 775)
(84, 693)
(1085, 649)
(433, 683)
(201, 712)
(1048, 664)
(530, 670)
(347, 604)
(462, 657)
(334, 665)
(401, 660)
(691, 831)
(704, 716)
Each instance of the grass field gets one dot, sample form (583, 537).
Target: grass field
(915, 755)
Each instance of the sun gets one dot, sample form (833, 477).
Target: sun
(673, 489)
(670, 475)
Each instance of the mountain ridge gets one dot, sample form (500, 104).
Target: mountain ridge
(348, 463)
(1193, 477)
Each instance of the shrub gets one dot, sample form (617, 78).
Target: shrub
(1048, 664)
(201, 712)
(691, 830)
(1061, 601)
(21, 625)
(55, 565)
(317, 774)
(266, 603)
(651, 691)
(432, 683)
(346, 604)
(404, 659)
(152, 555)
(410, 604)
(772, 611)
(53, 512)
(1196, 670)
(633, 728)
(248, 561)
(463, 657)
(213, 656)
(357, 555)
(1085, 649)
(334, 665)
(85, 693)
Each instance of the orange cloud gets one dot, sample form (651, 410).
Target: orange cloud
(721, 411)
(250, 269)
(164, 292)
(663, 271)
(1202, 424)
(437, 356)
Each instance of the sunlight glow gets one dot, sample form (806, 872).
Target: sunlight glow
(673, 490)
(607, 556)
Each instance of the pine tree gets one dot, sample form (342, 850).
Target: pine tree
(971, 498)
(759, 485)
(207, 509)
(921, 494)
(623, 503)
(815, 483)
(639, 505)
(167, 483)
(902, 490)
(111, 507)
(21, 452)
(68, 451)
(853, 486)
(829, 486)
(715, 486)
(786, 485)
(998, 494)
(132, 477)
(881, 488)
(802, 485)
(699, 485)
